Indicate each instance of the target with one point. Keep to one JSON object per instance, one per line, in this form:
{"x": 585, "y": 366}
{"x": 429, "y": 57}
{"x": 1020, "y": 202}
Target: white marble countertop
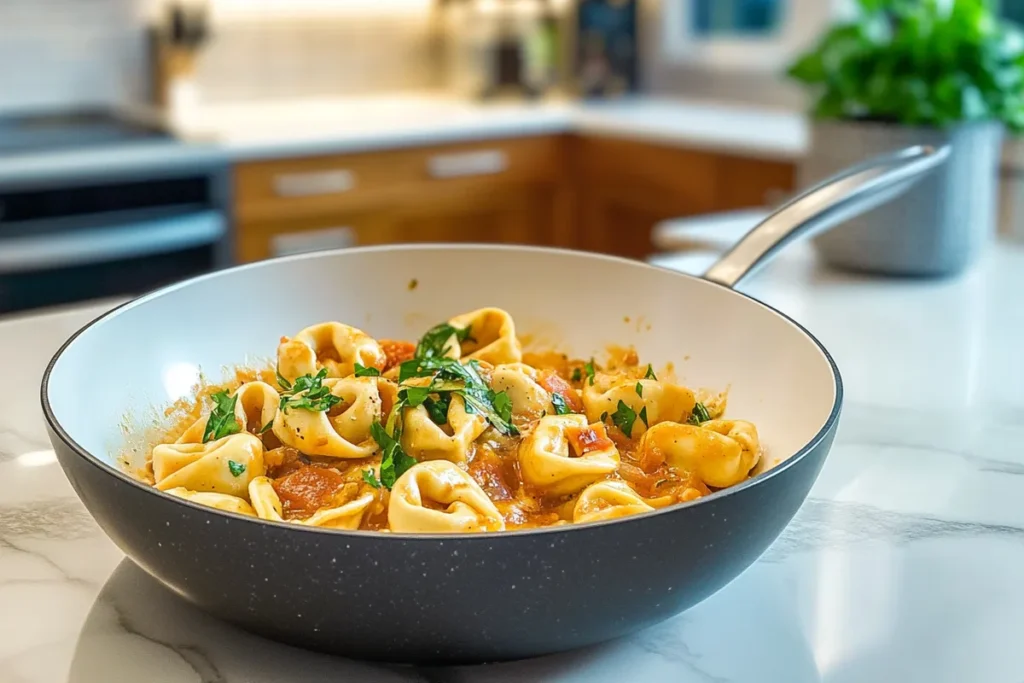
{"x": 904, "y": 565}
{"x": 260, "y": 130}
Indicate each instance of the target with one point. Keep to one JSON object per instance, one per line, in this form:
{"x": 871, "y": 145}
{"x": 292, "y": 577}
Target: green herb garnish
{"x": 394, "y": 461}
{"x": 282, "y": 382}
{"x": 452, "y": 377}
{"x": 266, "y": 428}
{"x": 639, "y": 389}
{"x": 588, "y": 367}
{"x": 438, "y": 409}
{"x": 221, "y": 421}
{"x": 643, "y": 417}
{"x": 604, "y": 416}
{"x": 370, "y": 478}
{"x": 309, "y": 393}
{"x": 699, "y": 414}
{"x": 362, "y": 371}
{"x": 576, "y": 375}
{"x": 650, "y": 373}
{"x": 624, "y": 417}
{"x": 236, "y": 468}
{"x": 558, "y": 401}
{"x": 436, "y": 341}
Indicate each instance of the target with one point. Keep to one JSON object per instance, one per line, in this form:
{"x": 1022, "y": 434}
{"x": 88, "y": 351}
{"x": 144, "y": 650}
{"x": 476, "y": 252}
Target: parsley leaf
{"x": 362, "y": 371}
{"x": 650, "y": 373}
{"x": 266, "y": 428}
{"x": 436, "y": 341}
{"x": 438, "y": 409}
{"x": 284, "y": 384}
{"x": 699, "y": 414}
{"x": 639, "y": 390}
{"x": 221, "y": 421}
{"x": 452, "y": 377}
{"x": 643, "y": 417}
{"x": 589, "y": 369}
{"x": 394, "y": 461}
{"x": 236, "y": 468}
{"x": 502, "y": 405}
{"x": 370, "y": 478}
{"x": 624, "y": 417}
{"x": 558, "y": 401}
{"x": 309, "y": 393}
{"x": 576, "y": 375}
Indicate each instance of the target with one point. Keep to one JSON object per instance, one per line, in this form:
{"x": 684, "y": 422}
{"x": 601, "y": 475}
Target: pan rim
{"x": 55, "y": 426}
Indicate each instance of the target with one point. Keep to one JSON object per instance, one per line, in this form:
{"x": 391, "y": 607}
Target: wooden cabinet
{"x": 589, "y": 192}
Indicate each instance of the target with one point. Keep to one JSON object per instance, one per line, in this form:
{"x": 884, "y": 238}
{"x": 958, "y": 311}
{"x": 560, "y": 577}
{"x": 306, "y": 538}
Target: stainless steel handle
{"x": 840, "y": 198}
{"x": 157, "y": 236}
{"x": 463, "y": 164}
{"x": 334, "y": 181}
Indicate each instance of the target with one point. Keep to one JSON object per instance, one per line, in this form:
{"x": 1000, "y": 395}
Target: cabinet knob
{"x": 314, "y": 183}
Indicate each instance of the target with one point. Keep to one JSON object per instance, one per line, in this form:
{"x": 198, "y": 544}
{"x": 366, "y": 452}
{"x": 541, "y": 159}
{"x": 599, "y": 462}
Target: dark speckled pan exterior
{"x": 447, "y": 599}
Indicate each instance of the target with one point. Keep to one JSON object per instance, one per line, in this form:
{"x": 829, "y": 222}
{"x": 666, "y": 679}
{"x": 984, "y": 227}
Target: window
{"x": 735, "y": 17}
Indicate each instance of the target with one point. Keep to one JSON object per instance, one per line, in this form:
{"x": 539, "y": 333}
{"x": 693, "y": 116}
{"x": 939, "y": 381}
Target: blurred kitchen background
{"x": 144, "y": 141}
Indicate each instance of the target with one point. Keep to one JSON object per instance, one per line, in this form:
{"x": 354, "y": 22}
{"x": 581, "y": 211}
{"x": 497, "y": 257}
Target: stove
{"x": 53, "y": 131}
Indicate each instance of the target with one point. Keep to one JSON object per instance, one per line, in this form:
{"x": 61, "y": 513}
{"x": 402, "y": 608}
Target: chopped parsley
{"x": 436, "y": 340}
{"x": 588, "y": 367}
{"x": 699, "y": 414}
{"x": 309, "y": 393}
{"x": 624, "y": 417}
{"x": 221, "y": 421}
{"x": 266, "y": 428}
{"x": 650, "y": 373}
{"x": 236, "y": 468}
{"x": 438, "y": 409}
{"x": 362, "y": 371}
{"x": 394, "y": 461}
{"x": 370, "y": 478}
{"x": 452, "y": 377}
{"x": 643, "y": 417}
{"x": 282, "y": 382}
{"x": 576, "y": 375}
{"x": 639, "y": 390}
{"x": 558, "y": 401}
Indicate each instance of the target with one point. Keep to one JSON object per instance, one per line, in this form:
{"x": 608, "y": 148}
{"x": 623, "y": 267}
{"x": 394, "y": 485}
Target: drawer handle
{"x": 310, "y": 184}
{"x": 311, "y": 240}
{"x": 463, "y": 164}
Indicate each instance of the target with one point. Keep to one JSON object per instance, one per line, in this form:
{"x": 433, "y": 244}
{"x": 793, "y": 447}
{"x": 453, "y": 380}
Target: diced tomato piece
{"x": 554, "y": 384}
{"x": 307, "y": 489}
{"x": 397, "y": 352}
{"x": 584, "y": 440}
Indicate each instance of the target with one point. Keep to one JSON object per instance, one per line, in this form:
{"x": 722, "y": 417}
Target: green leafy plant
{"x": 918, "y": 62}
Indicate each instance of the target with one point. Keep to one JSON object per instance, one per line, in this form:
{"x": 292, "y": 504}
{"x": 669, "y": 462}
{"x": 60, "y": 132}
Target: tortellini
{"x": 268, "y": 506}
{"x": 439, "y": 497}
{"x": 220, "y": 501}
{"x": 720, "y": 452}
{"x": 492, "y": 336}
{"x": 519, "y": 381}
{"x": 333, "y": 346}
{"x": 342, "y": 432}
{"x": 607, "y": 500}
{"x": 255, "y": 406}
{"x": 547, "y": 463}
{"x": 223, "y": 466}
{"x": 665, "y": 402}
{"x": 423, "y": 439}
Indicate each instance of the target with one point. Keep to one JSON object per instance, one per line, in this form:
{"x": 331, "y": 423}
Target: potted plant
{"x": 905, "y": 72}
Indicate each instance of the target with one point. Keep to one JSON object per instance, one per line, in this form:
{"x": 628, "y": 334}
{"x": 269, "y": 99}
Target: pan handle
{"x": 840, "y": 198}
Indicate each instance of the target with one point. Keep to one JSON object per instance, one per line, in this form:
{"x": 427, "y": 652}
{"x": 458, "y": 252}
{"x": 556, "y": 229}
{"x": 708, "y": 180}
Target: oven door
{"x": 51, "y": 266}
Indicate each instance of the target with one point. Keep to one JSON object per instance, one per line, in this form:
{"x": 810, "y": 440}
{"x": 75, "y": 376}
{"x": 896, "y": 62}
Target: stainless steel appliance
{"x": 94, "y": 204}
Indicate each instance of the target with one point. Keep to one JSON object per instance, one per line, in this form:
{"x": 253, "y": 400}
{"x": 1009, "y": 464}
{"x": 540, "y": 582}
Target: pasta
{"x": 458, "y": 432}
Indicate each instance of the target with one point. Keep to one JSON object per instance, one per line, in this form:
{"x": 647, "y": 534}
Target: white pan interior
{"x": 148, "y": 353}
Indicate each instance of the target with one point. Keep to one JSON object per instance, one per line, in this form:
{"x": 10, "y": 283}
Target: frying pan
{"x": 477, "y": 597}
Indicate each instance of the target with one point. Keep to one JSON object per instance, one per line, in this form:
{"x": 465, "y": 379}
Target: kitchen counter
{"x": 334, "y": 125}
{"x": 903, "y": 565}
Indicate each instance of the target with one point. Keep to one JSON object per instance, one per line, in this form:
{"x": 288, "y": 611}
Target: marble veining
{"x": 902, "y": 566}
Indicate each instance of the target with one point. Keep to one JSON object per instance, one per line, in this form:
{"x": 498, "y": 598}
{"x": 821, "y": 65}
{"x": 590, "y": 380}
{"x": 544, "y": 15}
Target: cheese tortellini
{"x": 458, "y": 431}
{"x": 342, "y": 432}
{"x": 720, "y": 452}
{"x": 664, "y": 402}
{"x": 223, "y": 466}
{"x": 607, "y": 500}
{"x": 333, "y": 346}
{"x": 439, "y": 497}
{"x": 548, "y": 462}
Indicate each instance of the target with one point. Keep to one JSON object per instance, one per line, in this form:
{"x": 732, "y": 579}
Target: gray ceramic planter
{"x": 939, "y": 226}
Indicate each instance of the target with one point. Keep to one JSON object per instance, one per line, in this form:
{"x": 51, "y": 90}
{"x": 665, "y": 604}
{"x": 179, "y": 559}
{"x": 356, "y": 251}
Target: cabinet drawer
{"x": 291, "y": 188}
